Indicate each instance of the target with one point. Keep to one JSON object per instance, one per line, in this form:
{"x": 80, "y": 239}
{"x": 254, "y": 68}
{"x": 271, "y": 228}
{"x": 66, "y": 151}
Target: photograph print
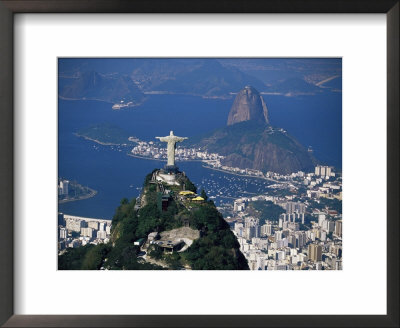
{"x": 199, "y": 164}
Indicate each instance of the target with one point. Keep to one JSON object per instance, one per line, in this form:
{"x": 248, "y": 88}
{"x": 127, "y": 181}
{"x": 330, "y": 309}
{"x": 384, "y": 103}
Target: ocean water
{"x": 313, "y": 121}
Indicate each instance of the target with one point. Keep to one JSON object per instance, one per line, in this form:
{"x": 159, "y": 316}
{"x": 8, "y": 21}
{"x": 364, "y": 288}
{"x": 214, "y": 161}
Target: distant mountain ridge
{"x": 209, "y": 79}
{"x": 204, "y": 77}
{"x": 91, "y": 85}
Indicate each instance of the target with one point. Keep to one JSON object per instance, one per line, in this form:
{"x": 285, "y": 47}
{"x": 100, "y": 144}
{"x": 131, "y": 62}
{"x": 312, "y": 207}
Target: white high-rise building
{"x": 64, "y": 185}
{"x": 238, "y": 206}
{"x": 280, "y": 255}
{"x": 73, "y": 224}
{"x": 323, "y": 171}
{"x": 94, "y": 225}
{"x": 63, "y": 233}
{"x": 293, "y": 207}
{"x": 87, "y": 232}
{"x": 321, "y": 219}
{"x": 278, "y": 235}
{"x": 270, "y": 231}
{"x": 239, "y": 229}
{"x": 266, "y": 229}
{"x": 101, "y": 234}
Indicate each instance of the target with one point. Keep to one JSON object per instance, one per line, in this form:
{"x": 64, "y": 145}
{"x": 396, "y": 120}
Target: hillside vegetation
{"x": 257, "y": 145}
{"x": 216, "y": 249}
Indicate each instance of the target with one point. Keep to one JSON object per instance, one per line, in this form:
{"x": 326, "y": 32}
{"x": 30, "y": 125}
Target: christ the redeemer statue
{"x": 172, "y": 140}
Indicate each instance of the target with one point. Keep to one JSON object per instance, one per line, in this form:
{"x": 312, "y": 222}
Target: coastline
{"x": 208, "y": 167}
{"x": 189, "y": 160}
{"x": 100, "y": 100}
{"x": 162, "y": 159}
{"x": 239, "y": 174}
{"x": 144, "y": 157}
{"x": 90, "y": 195}
{"x": 97, "y": 141}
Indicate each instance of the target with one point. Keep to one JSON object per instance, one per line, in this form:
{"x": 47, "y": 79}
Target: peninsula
{"x": 70, "y": 191}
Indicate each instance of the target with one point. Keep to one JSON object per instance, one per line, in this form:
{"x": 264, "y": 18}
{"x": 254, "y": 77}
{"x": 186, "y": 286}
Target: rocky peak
{"x": 248, "y": 105}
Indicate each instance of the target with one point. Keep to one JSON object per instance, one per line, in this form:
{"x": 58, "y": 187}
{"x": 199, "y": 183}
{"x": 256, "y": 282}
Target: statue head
{"x": 171, "y": 133}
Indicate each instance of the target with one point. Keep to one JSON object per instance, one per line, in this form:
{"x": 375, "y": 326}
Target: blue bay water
{"x": 313, "y": 121}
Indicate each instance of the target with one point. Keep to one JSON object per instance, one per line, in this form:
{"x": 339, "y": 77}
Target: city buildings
{"x": 63, "y": 187}
{"x": 306, "y": 236}
{"x": 79, "y": 231}
{"x": 323, "y": 171}
{"x": 315, "y": 252}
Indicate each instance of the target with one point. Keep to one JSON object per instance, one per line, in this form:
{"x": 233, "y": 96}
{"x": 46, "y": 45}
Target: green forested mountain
{"x": 257, "y": 145}
{"x": 215, "y": 249}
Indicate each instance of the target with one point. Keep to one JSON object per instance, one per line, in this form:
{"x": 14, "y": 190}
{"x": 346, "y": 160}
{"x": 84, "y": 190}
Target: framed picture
{"x": 181, "y": 146}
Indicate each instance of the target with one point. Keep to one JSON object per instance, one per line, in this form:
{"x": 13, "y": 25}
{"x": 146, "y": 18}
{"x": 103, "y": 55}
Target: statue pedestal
{"x": 168, "y": 178}
{"x": 171, "y": 169}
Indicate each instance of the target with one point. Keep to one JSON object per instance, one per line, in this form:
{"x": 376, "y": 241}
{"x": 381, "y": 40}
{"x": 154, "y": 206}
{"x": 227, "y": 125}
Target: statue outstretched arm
{"x": 164, "y": 139}
{"x": 179, "y": 139}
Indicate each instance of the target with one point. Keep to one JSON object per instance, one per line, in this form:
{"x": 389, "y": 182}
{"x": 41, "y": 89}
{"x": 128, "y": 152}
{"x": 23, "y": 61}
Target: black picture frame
{"x": 10, "y": 7}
